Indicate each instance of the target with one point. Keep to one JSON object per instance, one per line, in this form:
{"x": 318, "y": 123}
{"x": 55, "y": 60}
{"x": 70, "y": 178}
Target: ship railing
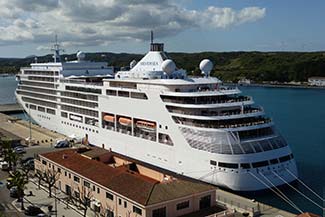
{"x": 217, "y": 89}
{"x": 225, "y": 126}
{"x": 215, "y": 113}
{"x": 195, "y": 101}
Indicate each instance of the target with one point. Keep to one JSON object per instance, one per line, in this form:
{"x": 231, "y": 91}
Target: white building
{"x": 316, "y": 81}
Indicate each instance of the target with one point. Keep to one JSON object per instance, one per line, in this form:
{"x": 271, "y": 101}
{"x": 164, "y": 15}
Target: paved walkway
{"x": 40, "y": 198}
{"x": 243, "y": 204}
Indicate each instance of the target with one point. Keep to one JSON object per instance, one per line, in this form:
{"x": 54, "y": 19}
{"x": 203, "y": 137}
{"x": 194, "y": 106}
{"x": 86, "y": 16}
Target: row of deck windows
{"x": 79, "y": 110}
{"x": 39, "y": 102}
{"x": 36, "y": 95}
{"x": 35, "y": 78}
{"x": 84, "y": 89}
{"x": 37, "y": 84}
{"x": 122, "y": 93}
{"x": 79, "y": 95}
{"x": 253, "y": 164}
{"x": 39, "y": 90}
{"x": 48, "y": 73}
{"x": 79, "y": 102}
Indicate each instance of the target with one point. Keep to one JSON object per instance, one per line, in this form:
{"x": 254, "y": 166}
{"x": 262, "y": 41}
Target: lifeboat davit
{"x": 146, "y": 126}
{"x": 109, "y": 118}
{"x": 125, "y": 121}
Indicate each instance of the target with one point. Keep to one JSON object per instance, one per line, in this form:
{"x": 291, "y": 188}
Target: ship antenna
{"x": 56, "y": 48}
{"x": 151, "y": 36}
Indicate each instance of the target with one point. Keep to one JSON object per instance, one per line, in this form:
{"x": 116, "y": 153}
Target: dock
{"x": 13, "y": 128}
{"x": 11, "y": 108}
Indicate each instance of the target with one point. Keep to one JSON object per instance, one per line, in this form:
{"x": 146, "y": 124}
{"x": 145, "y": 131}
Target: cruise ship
{"x": 153, "y": 112}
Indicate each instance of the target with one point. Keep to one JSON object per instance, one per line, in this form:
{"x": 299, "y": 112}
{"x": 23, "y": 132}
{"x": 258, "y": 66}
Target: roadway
{"x": 6, "y": 202}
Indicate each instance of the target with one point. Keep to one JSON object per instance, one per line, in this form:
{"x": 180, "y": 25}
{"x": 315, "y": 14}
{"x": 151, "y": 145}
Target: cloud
{"x": 100, "y": 22}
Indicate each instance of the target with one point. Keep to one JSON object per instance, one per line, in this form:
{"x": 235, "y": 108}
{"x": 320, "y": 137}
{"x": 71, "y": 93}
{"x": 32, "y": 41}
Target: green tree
{"x": 9, "y": 154}
{"x": 20, "y": 181}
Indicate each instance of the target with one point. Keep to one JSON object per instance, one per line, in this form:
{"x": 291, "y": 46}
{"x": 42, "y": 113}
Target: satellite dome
{"x": 81, "y": 55}
{"x": 206, "y": 66}
{"x": 168, "y": 66}
{"x": 132, "y": 64}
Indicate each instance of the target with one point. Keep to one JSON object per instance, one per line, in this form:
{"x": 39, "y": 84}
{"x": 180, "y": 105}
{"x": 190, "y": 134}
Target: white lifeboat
{"x": 125, "y": 121}
{"x": 109, "y": 118}
{"x": 146, "y": 126}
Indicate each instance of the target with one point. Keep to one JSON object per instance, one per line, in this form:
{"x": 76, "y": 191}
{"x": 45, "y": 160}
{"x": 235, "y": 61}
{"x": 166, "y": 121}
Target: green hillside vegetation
{"x": 229, "y": 66}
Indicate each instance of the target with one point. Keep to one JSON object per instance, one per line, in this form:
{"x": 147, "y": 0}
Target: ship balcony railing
{"x": 83, "y": 82}
{"x": 216, "y": 101}
{"x": 206, "y": 89}
{"x": 225, "y": 126}
{"x": 216, "y": 113}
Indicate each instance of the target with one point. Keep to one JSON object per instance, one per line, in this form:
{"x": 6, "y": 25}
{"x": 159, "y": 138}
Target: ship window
{"x": 260, "y": 164}
{"x": 213, "y": 162}
{"x": 285, "y": 158}
{"x": 50, "y": 111}
{"x": 228, "y": 165}
{"x": 123, "y": 93}
{"x": 42, "y": 109}
{"x": 111, "y": 92}
{"x": 165, "y": 139}
{"x": 32, "y": 107}
{"x": 245, "y": 166}
{"x": 137, "y": 95}
{"x": 26, "y": 105}
{"x": 64, "y": 114}
{"x": 274, "y": 161}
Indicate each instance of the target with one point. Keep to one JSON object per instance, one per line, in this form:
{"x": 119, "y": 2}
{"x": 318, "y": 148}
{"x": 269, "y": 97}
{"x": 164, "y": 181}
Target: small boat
{"x": 146, "y": 126}
{"x": 125, "y": 121}
{"x": 109, "y": 118}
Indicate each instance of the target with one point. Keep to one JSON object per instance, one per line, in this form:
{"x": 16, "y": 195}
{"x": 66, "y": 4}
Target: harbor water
{"x": 299, "y": 115}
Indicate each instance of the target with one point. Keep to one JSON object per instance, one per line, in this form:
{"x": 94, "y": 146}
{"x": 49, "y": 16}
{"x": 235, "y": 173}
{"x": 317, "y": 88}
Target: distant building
{"x": 244, "y": 81}
{"x": 316, "y": 81}
{"x": 120, "y": 187}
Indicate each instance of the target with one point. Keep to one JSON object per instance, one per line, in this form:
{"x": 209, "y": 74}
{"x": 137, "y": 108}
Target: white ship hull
{"x": 180, "y": 158}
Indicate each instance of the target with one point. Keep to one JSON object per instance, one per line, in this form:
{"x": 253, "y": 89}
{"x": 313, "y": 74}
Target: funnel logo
{"x": 149, "y": 63}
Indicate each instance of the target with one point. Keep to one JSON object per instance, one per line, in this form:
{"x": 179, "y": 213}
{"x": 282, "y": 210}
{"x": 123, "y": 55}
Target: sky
{"x": 28, "y": 27}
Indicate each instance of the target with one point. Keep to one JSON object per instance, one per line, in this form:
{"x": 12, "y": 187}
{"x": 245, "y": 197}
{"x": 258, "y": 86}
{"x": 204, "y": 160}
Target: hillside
{"x": 229, "y": 66}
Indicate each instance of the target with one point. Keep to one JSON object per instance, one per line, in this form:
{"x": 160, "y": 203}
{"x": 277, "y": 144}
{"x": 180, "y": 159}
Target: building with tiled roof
{"x": 120, "y": 187}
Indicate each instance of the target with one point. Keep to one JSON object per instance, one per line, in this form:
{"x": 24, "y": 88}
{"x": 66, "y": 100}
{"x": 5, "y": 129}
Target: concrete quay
{"x": 21, "y": 129}
{"x": 10, "y": 108}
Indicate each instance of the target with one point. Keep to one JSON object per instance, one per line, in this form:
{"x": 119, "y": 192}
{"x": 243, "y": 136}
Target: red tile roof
{"x": 134, "y": 186}
{"x": 308, "y": 214}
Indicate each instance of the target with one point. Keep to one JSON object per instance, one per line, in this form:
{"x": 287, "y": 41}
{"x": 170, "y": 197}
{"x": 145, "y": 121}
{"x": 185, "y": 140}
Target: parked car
{"x": 13, "y": 192}
{"x": 27, "y": 159}
{"x": 62, "y": 144}
{"x": 33, "y": 211}
{"x": 20, "y": 150}
{"x": 30, "y": 164}
{"x": 4, "y": 165}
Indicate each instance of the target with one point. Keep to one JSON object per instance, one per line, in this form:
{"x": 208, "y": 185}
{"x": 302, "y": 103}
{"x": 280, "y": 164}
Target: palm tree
{"x": 20, "y": 181}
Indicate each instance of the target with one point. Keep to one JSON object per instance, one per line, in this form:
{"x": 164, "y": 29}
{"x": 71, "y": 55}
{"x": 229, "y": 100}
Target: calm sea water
{"x": 299, "y": 114}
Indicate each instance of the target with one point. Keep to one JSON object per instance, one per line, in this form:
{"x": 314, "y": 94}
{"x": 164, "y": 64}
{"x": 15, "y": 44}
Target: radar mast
{"x": 56, "y": 48}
